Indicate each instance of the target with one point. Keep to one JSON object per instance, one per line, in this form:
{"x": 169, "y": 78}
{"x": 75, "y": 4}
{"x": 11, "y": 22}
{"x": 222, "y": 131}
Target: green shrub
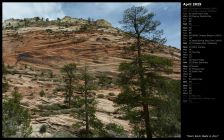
{"x": 45, "y": 114}
{"x": 42, "y": 93}
{"x": 57, "y": 89}
{"x": 104, "y": 80}
{"x": 31, "y": 94}
{"x": 105, "y": 39}
{"x": 34, "y": 110}
{"x": 84, "y": 28}
{"x": 13, "y": 72}
{"x": 42, "y": 74}
{"x": 4, "y": 69}
{"x": 49, "y": 30}
{"x": 51, "y": 75}
{"x": 15, "y": 118}
{"x": 56, "y": 80}
{"x": 84, "y": 134}
{"x": 25, "y": 104}
{"x": 42, "y": 79}
{"x": 118, "y": 129}
{"x": 63, "y": 134}
{"x": 5, "y": 86}
{"x": 52, "y": 107}
{"x": 65, "y": 111}
{"x": 111, "y": 94}
{"x": 33, "y": 79}
{"x": 43, "y": 129}
{"x": 10, "y": 67}
{"x": 98, "y": 39}
{"x": 108, "y": 46}
{"x": 96, "y": 61}
{"x": 100, "y": 96}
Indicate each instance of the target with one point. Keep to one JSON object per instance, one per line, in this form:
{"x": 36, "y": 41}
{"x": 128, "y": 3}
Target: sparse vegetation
{"x": 58, "y": 89}
{"x": 31, "y": 94}
{"x": 111, "y": 94}
{"x": 5, "y": 86}
{"x": 43, "y": 129}
{"x": 13, "y": 71}
{"x": 42, "y": 93}
{"x": 46, "y": 114}
{"x": 51, "y": 75}
{"x": 108, "y": 46}
{"x": 104, "y": 80}
{"x": 100, "y": 96}
{"x": 83, "y": 28}
{"x": 49, "y": 30}
{"x": 15, "y": 118}
{"x": 42, "y": 79}
{"x": 105, "y": 39}
{"x": 52, "y": 107}
{"x": 4, "y": 69}
{"x": 33, "y": 79}
{"x": 25, "y": 104}
{"x": 42, "y": 74}
{"x": 117, "y": 129}
{"x": 96, "y": 61}
{"x": 63, "y": 134}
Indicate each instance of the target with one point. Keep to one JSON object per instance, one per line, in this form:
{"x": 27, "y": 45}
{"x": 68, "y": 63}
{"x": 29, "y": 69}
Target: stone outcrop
{"x": 103, "y": 23}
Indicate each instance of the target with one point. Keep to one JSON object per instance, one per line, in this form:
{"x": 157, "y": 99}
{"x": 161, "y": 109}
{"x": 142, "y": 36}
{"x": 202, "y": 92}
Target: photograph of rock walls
{"x": 71, "y": 70}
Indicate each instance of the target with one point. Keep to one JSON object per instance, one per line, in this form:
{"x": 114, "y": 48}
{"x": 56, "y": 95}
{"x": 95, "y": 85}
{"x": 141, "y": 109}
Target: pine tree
{"x": 131, "y": 99}
{"x": 37, "y": 19}
{"x": 26, "y": 22}
{"x": 87, "y": 105}
{"x": 68, "y": 72}
{"x": 15, "y": 118}
{"x": 140, "y": 80}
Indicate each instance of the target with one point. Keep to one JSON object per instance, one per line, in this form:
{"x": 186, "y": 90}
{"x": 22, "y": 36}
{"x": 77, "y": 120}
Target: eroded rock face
{"x": 52, "y": 47}
{"x": 68, "y": 19}
{"x": 12, "y": 23}
{"x": 103, "y": 23}
{"x": 31, "y": 22}
{"x": 104, "y": 105}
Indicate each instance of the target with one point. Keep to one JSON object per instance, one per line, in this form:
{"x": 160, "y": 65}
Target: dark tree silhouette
{"x": 68, "y": 72}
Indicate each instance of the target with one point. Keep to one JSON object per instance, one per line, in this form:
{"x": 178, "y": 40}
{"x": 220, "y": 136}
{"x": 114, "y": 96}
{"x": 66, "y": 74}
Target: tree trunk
{"x": 147, "y": 121}
{"x": 70, "y": 93}
{"x": 86, "y": 108}
{"x": 143, "y": 91}
{"x": 69, "y": 102}
{"x": 87, "y": 119}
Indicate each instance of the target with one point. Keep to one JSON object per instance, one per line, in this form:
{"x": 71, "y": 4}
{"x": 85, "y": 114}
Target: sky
{"x": 167, "y": 13}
